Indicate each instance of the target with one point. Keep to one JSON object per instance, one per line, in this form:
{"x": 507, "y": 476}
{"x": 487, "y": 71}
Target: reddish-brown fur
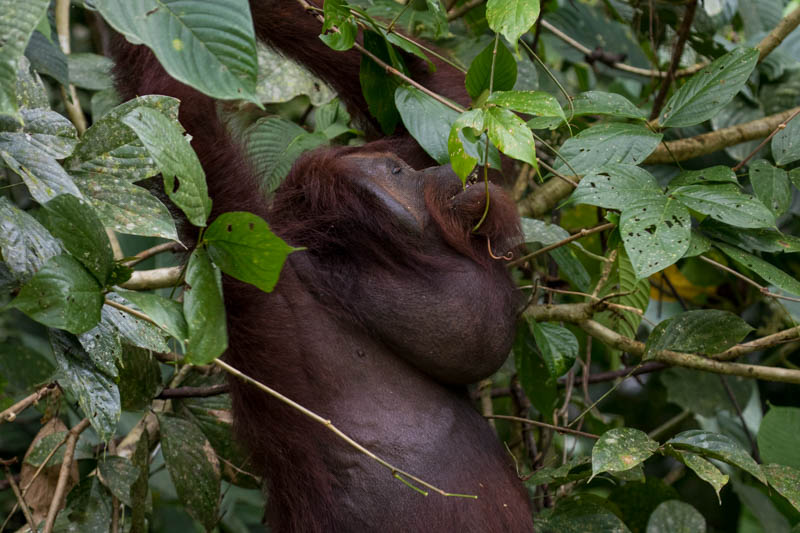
{"x": 392, "y": 308}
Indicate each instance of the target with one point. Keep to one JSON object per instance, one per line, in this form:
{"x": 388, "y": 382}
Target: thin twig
{"x": 20, "y": 500}
{"x": 157, "y": 278}
{"x": 763, "y": 143}
{"x": 194, "y": 392}
{"x": 63, "y": 474}
{"x": 68, "y": 94}
{"x": 396, "y": 472}
{"x": 677, "y": 53}
{"x": 667, "y": 426}
{"x": 10, "y": 414}
{"x": 559, "y": 175}
{"x": 558, "y": 429}
{"x": 764, "y": 290}
{"x": 738, "y": 409}
{"x": 132, "y": 312}
{"x": 155, "y": 250}
{"x": 582, "y": 233}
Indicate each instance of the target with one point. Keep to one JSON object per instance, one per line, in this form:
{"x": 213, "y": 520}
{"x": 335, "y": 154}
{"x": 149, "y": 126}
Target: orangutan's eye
{"x": 397, "y": 170}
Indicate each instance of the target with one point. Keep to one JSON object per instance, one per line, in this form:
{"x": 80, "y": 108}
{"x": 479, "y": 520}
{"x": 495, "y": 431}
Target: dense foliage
{"x": 653, "y": 382}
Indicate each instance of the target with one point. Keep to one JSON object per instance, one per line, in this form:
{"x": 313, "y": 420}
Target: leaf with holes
{"x": 769, "y": 272}
{"x": 708, "y": 91}
{"x": 606, "y": 144}
{"x": 704, "y": 331}
{"x": 616, "y": 186}
{"x": 717, "y": 446}
{"x": 771, "y": 185}
{"x": 208, "y": 45}
{"x": 726, "y": 203}
{"x": 620, "y": 449}
{"x": 511, "y": 135}
{"x": 338, "y": 15}
{"x": 184, "y": 179}
{"x": 716, "y": 174}
{"x": 243, "y": 246}
{"x": 656, "y": 232}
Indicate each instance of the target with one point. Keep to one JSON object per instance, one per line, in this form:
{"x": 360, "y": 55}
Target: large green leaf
{"x": 17, "y": 22}
{"x": 705, "y": 331}
{"x": 25, "y": 244}
{"x": 674, "y": 516}
{"x": 139, "y": 378}
{"x": 656, "y": 232}
{"x": 274, "y": 144}
{"x": 112, "y": 148}
{"x": 753, "y": 240}
{"x": 539, "y": 386}
{"x": 90, "y": 71}
{"x": 134, "y": 330}
{"x": 725, "y": 203}
{"x": 777, "y": 436}
{"x": 771, "y": 186}
{"x": 118, "y": 474}
{"x": 601, "y": 103}
{"x": 620, "y": 449}
{"x": 97, "y": 394}
{"x": 538, "y": 231}
{"x": 635, "y": 294}
{"x": 699, "y": 392}
{"x": 617, "y": 186}
{"x": 537, "y": 103}
{"x": 193, "y": 467}
{"x": 184, "y": 179}
{"x": 462, "y": 161}
{"x": 103, "y": 345}
{"x": 208, "y": 44}
{"x": 168, "y": 314}
{"x": 338, "y": 14}
{"x": 124, "y": 207}
{"x": 88, "y": 506}
{"x": 512, "y": 18}
{"x": 704, "y": 469}
{"x": 376, "y": 85}
{"x": 479, "y": 74}
{"x": 511, "y": 135}
{"x": 708, "y": 91}
{"x": 427, "y": 120}
{"x": 772, "y": 274}
{"x": 558, "y": 345}
{"x": 601, "y": 145}
{"x": 243, "y": 246}
{"x": 204, "y": 310}
{"x": 63, "y": 295}
{"x": 582, "y": 514}
{"x": 715, "y": 174}
{"x": 717, "y": 446}
{"x": 73, "y": 220}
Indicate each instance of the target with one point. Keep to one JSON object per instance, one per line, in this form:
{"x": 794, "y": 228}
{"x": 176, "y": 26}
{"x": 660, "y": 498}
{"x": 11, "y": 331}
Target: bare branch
{"x": 63, "y": 475}
{"x": 778, "y": 34}
{"x": 158, "y": 278}
{"x": 10, "y": 414}
{"x": 558, "y": 429}
{"x": 68, "y": 94}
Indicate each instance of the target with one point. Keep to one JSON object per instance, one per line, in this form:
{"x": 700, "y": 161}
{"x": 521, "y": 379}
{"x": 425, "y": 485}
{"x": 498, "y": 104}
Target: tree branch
{"x": 778, "y": 34}
{"x": 194, "y": 392}
{"x": 68, "y": 94}
{"x": 158, "y": 278}
{"x": 558, "y": 429}
{"x": 10, "y": 414}
{"x": 677, "y": 53}
{"x": 63, "y": 474}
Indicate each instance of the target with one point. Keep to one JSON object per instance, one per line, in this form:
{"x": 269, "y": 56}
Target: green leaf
{"x": 725, "y": 203}
{"x": 96, "y": 393}
{"x": 135, "y": 330}
{"x": 605, "y": 144}
{"x": 538, "y": 231}
{"x": 90, "y": 71}
{"x": 17, "y": 22}
{"x": 674, "y": 516}
{"x": 635, "y": 294}
{"x": 752, "y": 240}
{"x": 704, "y": 331}
{"x": 208, "y": 45}
{"x": 511, "y": 135}
{"x": 601, "y": 103}
{"x": 762, "y": 507}
{"x": 30, "y": 89}
{"x": 25, "y": 244}
{"x": 771, "y": 186}
{"x": 204, "y": 310}
{"x": 705, "y": 470}
{"x": 786, "y": 480}
{"x": 539, "y": 386}
{"x": 616, "y": 186}
{"x": 63, "y": 295}
{"x": 140, "y": 503}
{"x": 111, "y": 148}
{"x": 537, "y": 103}
{"x": 139, "y": 378}
{"x": 118, "y": 474}
{"x": 772, "y": 274}
{"x": 439, "y": 16}
{"x": 243, "y": 246}
{"x": 700, "y": 392}
{"x": 103, "y": 346}
{"x": 408, "y": 46}
{"x": 708, "y": 91}
{"x": 558, "y": 345}
{"x": 716, "y": 174}
{"x": 184, "y": 179}
{"x": 72, "y": 220}
{"x": 512, "y": 18}
{"x": 376, "y": 85}
{"x": 784, "y": 148}
{"x": 717, "y": 446}
{"x": 480, "y": 71}
{"x": 126, "y": 208}
{"x": 89, "y": 506}
{"x": 193, "y": 467}
{"x": 47, "y": 58}
{"x": 338, "y": 15}
{"x": 621, "y": 449}
{"x": 460, "y": 159}
{"x": 274, "y": 144}
{"x": 584, "y": 514}
{"x": 555, "y": 476}
{"x": 777, "y": 436}
{"x": 427, "y": 120}
{"x": 656, "y": 231}
{"x": 168, "y": 314}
